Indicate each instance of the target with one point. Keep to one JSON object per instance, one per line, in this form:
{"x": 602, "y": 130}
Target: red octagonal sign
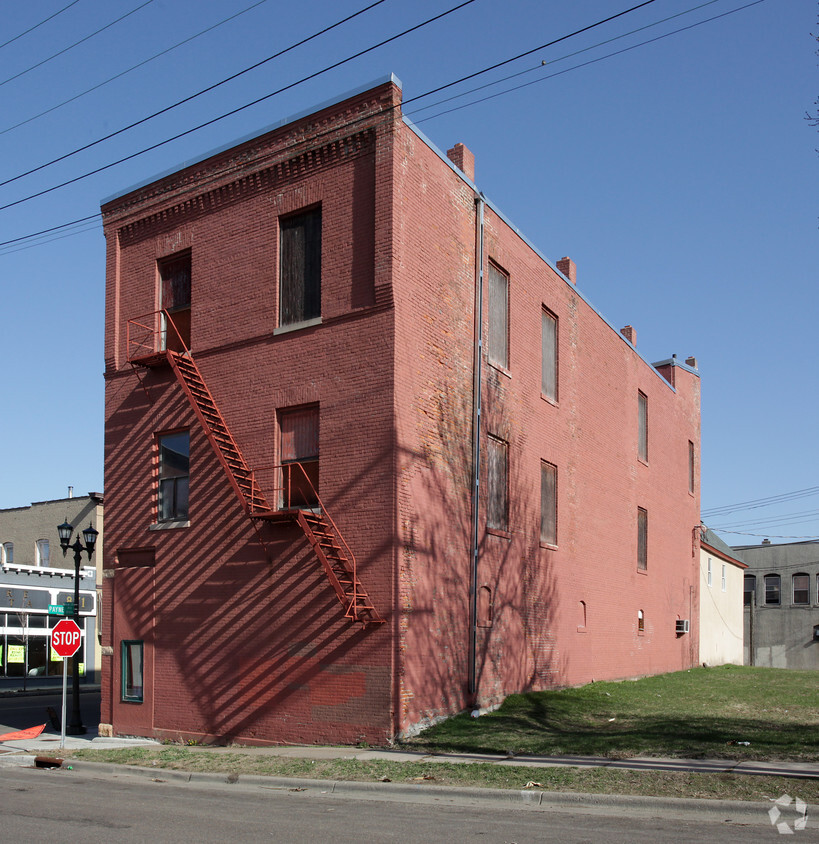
{"x": 66, "y": 637}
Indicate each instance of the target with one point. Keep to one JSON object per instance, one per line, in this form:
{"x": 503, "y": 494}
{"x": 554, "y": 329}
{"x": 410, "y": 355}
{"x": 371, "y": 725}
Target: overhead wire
{"x": 757, "y": 503}
{"x": 584, "y": 64}
{"x": 241, "y": 108}
{"x": 38, "y": 25}
{"x": 134, "y": 67}
{"x": 188, "y": 99}
{"x": 75, "y": 44}
{"x": 405, "y": 102}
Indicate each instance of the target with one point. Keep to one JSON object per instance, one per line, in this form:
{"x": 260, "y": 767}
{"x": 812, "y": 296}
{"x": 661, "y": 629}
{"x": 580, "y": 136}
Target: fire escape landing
{"x": 147, "y": 348}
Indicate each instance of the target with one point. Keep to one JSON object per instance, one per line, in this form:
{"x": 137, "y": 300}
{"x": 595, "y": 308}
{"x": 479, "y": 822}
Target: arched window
{"x": 641, "y": 622}
{"x": 801, "y": 589}
{"x": 773, "y": 590}
{"x": 750, "y": 590}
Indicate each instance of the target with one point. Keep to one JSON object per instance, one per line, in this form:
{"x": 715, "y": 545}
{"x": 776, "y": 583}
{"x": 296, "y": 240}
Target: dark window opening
{"x": 132, "y": 688}
{"x": 174, "y": 469}
{"x": 750, "y": 590}
{"x": 642, "y": 436}
{"x": 773, "y": 591}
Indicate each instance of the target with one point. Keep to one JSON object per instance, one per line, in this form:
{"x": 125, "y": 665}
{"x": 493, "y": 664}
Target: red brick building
{"x": 295, "y": 328}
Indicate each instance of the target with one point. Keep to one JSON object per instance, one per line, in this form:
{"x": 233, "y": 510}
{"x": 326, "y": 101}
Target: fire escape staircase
{"x": 321, "y": 532}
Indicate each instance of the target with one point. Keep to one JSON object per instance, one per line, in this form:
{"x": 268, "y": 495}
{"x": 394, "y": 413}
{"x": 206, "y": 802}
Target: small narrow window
{"x": 750, "y": 590}
{"x": 642, "y": 432}
{"x": 801, "y": 589}
{"x": 581, "y": 614}
{"x": 549, "y": 355}
{"x": 42, "y": 552}
{"x": 708, "y": 574}
{"x": 724, "y": 578}
{"x": 8, "y": 553}
{"x": 548, "y": 503}
{"x": 132, "y": 689}
{"x": 299, "y": 449}
{"x": 300, "y": 267}
{"x": 174, "y": 468}
{"x": 498, "y": 317}
{"x": 485, "y": 607}
{"x": 642, "y": 539}
{"x": 691, "y": 467}
{"x": 641, "y": 622}
{"x": 773, "y": 596}
{"x": 497, "y": 516}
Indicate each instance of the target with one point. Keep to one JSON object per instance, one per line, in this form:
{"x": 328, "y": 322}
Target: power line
{"x": 757, "y": 503}
{"x": 350, "y": 123}
{"x": 48, "y": 231}
{"x": 133, "y": 67}
{"x": 583, "y": 64}
{"x": 38, "y": 25}
{"x": 192, "y": 96}
{"x": 239, "y": 109}
{"x": 75, "y": 44}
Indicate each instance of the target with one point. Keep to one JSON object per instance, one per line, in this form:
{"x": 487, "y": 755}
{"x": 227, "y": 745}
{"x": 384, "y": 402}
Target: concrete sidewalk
{"x": 22, "y": 752}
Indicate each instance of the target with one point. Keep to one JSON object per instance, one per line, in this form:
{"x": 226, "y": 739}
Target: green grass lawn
{"x": 700, "y": 713}
{"x": 688, "y": 714}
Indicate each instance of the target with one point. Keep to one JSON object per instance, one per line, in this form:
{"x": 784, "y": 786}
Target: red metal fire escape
{"x": 147, "y": 348}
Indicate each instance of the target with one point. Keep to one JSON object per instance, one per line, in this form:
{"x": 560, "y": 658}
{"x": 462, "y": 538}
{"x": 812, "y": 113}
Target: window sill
{"x": 552, "y": 402}
{"x": 170, "y": 525}
{"x": 297, "y": 326}
{"x": 501, "y": 370}
{"x": 548, "y": 546}
{"x": 644, "y": 572}
{"x": 581, "y": 629}
{"x": 641, "y": 460}
{"x": 503, "y": 534}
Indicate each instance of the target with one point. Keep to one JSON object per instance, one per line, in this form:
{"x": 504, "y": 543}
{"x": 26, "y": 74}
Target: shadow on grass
{"x": 542, "y": 731}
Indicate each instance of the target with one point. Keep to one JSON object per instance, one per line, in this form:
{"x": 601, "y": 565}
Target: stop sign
{"x": 66, "y": 637}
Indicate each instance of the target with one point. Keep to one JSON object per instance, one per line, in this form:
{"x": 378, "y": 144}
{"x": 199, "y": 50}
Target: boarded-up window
{"x": 299, "y": 449}
{"x": 300, "y": 267}
{"x": 484, "y": 607}
{"x": 548, "y": 503}
{"x": 691, "y": 468}
{"x": 773, "y": 589}
{"x": 498, "y": 317}
{"x": 801, "y": 589}
{"x": 549, "y": 355}
{"x": 642, "y": 539}
{"x": 497, "y": 515}
{"x": 642, "y": 432}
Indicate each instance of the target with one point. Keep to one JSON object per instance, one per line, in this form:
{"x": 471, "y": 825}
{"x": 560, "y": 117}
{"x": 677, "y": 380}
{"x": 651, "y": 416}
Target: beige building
{"x": 721, "y": 590}
{"x": 34, "y": 576}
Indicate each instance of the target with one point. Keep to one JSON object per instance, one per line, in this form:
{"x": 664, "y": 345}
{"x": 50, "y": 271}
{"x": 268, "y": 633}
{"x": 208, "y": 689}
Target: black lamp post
{"x": 75, "y": 727}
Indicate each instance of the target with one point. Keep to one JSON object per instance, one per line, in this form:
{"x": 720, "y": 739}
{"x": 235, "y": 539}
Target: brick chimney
{"x": 692, "y": 362}
{"x": 630, "y": 334}
{"x": 568, "y": 267}
{"x": 463, "y": 159}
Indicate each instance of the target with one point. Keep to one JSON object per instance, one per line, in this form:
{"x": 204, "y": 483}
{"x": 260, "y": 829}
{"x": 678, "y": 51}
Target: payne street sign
{"x": 66, "y": 637}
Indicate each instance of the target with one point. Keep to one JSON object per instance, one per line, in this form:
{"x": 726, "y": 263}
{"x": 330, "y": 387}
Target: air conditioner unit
{"x": 682, "y": 625}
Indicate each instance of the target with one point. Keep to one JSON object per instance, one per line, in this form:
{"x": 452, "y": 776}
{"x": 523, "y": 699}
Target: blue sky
{"x": 680, "y": 175}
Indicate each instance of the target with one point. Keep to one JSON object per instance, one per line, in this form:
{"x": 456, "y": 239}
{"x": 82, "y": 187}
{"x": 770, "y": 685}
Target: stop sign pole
{"x": 66, "y": 638}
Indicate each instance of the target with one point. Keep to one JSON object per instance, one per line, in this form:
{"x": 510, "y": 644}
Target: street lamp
{"x": 75, "y": 727}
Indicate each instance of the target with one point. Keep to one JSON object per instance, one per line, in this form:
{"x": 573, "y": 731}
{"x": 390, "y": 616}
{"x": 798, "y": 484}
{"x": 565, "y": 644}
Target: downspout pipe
{"x": 476, "y": 447}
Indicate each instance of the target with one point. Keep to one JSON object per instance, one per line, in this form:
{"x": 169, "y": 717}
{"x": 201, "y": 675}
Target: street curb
{"x": 728, "y": 811}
